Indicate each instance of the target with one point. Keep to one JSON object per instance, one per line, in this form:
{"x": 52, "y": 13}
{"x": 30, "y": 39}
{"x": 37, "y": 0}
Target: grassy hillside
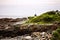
{"x": 47, "y": 17}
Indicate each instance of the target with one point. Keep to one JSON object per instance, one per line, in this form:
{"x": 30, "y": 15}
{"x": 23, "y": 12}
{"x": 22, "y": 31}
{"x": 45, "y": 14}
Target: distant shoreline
{"x": 14, "y": 17}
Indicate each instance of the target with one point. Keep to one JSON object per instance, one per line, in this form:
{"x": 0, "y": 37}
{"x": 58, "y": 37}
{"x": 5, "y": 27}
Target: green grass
{"x": 45, "y": 18}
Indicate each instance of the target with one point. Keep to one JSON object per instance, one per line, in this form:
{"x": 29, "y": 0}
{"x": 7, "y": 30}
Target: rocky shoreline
{"x": 8, "y": 29}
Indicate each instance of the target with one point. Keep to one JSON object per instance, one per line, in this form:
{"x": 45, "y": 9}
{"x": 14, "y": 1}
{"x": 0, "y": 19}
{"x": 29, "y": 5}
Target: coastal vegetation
{"x": 47, "y": 17}
{"x": 56, "y": 34}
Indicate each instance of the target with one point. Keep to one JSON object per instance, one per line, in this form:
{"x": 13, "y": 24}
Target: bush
{"x": 56, "y": 34}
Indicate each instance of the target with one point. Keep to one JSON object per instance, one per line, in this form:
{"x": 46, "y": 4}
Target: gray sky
{"x": 24, "y": 8}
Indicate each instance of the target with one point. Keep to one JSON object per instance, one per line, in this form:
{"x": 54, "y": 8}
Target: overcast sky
{"x": 23, "y": 8}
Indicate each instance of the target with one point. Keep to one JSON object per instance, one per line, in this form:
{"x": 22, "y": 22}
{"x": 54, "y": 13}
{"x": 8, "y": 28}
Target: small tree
{"x": 35, "y": 15}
